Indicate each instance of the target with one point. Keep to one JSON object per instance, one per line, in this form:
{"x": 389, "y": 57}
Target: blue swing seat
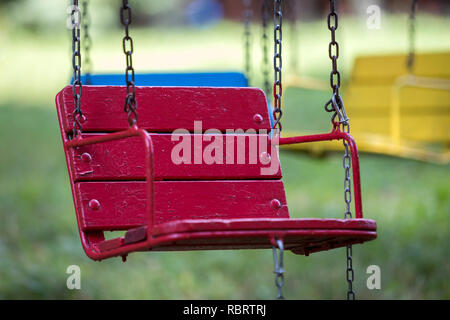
{"x": 185, "y": 79}
{"x": 190, "y": 79}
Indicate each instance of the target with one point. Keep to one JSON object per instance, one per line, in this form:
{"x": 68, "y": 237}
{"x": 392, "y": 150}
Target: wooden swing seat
{"x": 395, "y": 113}
{"x": 302, "y": 236}
{"x": 380, "y": 102}
{"x": 126, "y": 179}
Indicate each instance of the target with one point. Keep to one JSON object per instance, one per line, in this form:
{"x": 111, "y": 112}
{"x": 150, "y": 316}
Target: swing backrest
{"x": 174, "y": 79}
{"x": 424, "y": 112}
{"x": 108, "y": 178}
{"x": 385, "y": 69}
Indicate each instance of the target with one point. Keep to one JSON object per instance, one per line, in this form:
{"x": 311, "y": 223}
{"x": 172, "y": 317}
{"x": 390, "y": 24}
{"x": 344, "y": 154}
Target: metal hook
{"x": 339, "y": 108}
{"x": 336, "y": 105}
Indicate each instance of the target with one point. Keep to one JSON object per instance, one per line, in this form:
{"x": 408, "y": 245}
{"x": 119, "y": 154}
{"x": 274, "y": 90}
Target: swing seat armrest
{"x": 337, "y": 135}
{"x": 117, "y": 246}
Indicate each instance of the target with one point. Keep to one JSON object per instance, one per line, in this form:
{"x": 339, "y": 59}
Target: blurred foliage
{"x": 28, "y": 56}
{"x": 46, "y": 15}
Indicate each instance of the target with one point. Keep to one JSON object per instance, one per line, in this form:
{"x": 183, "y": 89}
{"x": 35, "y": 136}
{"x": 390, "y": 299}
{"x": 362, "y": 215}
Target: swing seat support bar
{"x": 141, "y": 239}
{"x": 336, "y": 134}
{"x": 118, "y": 246}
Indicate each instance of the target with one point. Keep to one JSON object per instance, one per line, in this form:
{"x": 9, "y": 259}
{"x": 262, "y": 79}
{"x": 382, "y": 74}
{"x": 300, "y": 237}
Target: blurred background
{"x": 38, "y": 235}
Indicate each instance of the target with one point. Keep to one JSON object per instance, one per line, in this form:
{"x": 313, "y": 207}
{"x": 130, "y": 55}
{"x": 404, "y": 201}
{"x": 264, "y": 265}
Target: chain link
{"x": 87, "y": 41}
{"x": 350, "y": 274}
{"x": 277, "y": 114}
{"x": 347, "y": 163}
{"x": 248, "y": 14}
{"x": 279, "y": 269}
{"x": 412, "y": 34}
{"x": 265, "y": 15}
{"x": 277, "y": 64}
{"x": 77, "y": 87}
{"x": 130, "y": 106}
{"x": 293, "y": 9}
{"x": 336, "y": 105}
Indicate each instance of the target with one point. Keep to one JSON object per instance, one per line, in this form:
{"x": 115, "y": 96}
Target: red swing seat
{"x": 125, "y": 179}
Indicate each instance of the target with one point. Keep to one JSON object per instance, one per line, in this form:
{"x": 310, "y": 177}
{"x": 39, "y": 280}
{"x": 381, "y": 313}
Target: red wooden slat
{"x": 124, "y": 159}
{"x": 298, "y": 237}
{"x": 110, "y": 244}
{"x": 121, "y": 205}
{"x": 262, "y": 224}
{"x": 135, "y": 235}
{"x": 276, "y": 225}
{"x": 303, "y": 241}
{"x": 164, "y": 109}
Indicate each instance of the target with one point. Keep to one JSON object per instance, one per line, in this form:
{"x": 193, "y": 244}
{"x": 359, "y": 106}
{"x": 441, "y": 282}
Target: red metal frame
{"x": 228, "y": 233}
{"x": 336, "y": 134}
{"x": 301, "y": 236}
{"x": 91, "y": 249}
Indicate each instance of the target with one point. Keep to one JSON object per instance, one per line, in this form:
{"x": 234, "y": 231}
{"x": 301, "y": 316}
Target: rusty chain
{"x": 277, "y": 64}
{"x": 336, "y": 105}
{"x": 87, "y": 41}
{"x": 130, "y": 106}
{"x": 412, "y": 34}
{"x": 77, "y": 87}
{"x": 265, "y": 15}
{"x": 248, "y": 14}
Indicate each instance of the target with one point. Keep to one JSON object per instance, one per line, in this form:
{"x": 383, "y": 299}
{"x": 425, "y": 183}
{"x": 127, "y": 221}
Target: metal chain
{"x": 335, "y": 104}
{"x": 277, "y": 64}
{"x": 350, "y": 274}
{"x": 293, "y": 8}
{"x": 265, "y": 47}
{"x": 347, "y": 163}
{"x": 87, "y": 41}
{"x": 130, "y": 106}
{"x": 77, "y": 87}
{"x": 248, "y": 14}
{"x": 412, "y": 33}
{"x": 279, "y": 270}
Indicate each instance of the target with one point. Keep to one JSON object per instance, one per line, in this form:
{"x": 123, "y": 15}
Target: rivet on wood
{"x": 94, "y": 204}
{"x": 265, "y": 158}
{"x": 86, "y": 157}
{"x": 258, "y": 119}
{"x": 275, "y": 204}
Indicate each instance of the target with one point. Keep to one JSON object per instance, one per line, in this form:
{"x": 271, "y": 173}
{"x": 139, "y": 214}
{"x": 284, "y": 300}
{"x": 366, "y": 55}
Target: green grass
{"x": 410, "y": 200}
